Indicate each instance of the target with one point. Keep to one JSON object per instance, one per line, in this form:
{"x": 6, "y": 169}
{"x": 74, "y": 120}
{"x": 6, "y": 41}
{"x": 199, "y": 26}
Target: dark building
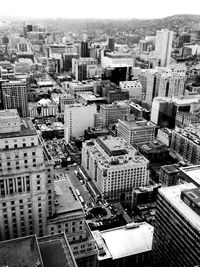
{"x": 84, "y": 49}
{"x": 169, "y": 175}
{"x": 111, "y": 44}
{"x": 67, "y": 60}
{"x": 117, "y": 95}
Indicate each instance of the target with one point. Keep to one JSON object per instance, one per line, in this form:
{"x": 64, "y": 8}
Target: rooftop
{"x": 56, "y": 251}
{"x": 137, "y": 123}
{"x": 27, "y": 129}
{"x": 193, "y": 172}
{"x": 173, "y": 195}
{"x": 170, "y": 168}
{"x": 66, "y": 198}
{"x": 21, "y": 252}
{"x": 128, "y": 240}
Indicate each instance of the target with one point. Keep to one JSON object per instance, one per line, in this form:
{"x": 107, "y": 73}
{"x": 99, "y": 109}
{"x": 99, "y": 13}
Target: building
{"x": 67, "y": 60}
{"x": 14, "y": 95}
{"x": 190, "y": 174}
{"x": 111, "y": 44}
{"x": 48, "y": 251}
{"x": 88, "y": 98}
{"x": 163, "y": 47}
{"x": 43, "y": 108}
{"x": 185, "y": 142}
{"x": 117, "y": 246}
{"x": 133, "y": 87}
{"x": 169, "y": 175}
{"x": 117, "y": 95}
{"x": 112, "y": 112}
{"x": 114, "y": 167}
{"x": 165, "y": 135}
{"x": 81, "y": 87}
{"x": 139, "y": 111}
{"x": 176, "y": 239}
{"x": 154, "y": 151}
{"x": 84, "y": 49}
{"x": 77, "y": 118}
{"x": 162, "y": 112}
{"x": 144, "y": 195}
{"x": 136, "y": 131}
{"x": 84, "y": 68}
{"x": 26, "y": 179}
{"x": 69, "y": 217}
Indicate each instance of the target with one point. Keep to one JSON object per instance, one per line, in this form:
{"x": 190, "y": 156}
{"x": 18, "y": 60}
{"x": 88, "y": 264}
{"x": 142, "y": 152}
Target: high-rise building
{"x": 163, "y": 47}
{"x": 111, "y": 113}
{"x": 14, "y": 96}
{"x": 84, "y": 49}
{"x": 162, "y": 112}
{"x": 26, "y": 179}
{"x": 177, "y": 229}
{"x": 78, "y": 118}
{"x": 115, "y": 167}
{"x": 136, "y": 131}
{"x": 84, "y": 68}
{"x": 111, "y": 44}
{"x": 186, "y": 142}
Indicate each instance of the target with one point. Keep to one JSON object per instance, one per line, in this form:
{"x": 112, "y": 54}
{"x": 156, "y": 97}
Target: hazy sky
{"x": 99, "y": 8}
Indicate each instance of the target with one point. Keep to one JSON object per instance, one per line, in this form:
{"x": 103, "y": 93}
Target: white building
{"x": 114, "y": 167}
{"x": 26, "y": 183}
{"x": 77, "y": 119}
{"x": 163, "y": 47}
{"x": 134, "y": 87}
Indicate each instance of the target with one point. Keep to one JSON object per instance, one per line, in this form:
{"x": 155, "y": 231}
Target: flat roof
{"x": 193, "y": 172}
{"x": 66, "y": 197}
{"x": 137, "y": 123}
{"x": 171, "y": 168}
{"x": 20, "y": 252}
{"x": 56, "y": 252}
{"x": 27, "y": 129}
{"x": 9, "y": 113}
{"x": 173, "y": 195}
{"x": 122, "y": 242}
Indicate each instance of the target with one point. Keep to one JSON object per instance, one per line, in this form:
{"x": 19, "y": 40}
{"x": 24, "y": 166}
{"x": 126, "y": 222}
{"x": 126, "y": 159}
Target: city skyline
{"x": 87, "y": 9}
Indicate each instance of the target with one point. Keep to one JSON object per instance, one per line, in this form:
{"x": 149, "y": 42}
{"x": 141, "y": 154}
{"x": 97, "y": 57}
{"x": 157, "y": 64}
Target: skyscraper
{"x": 26, "y": 183}
{"x": 177, "y": 228}
{"x": 111, "y": 44}
{"x": 14, "y": 96}
{"x": 84, "y": 49}
{"x": 163, "y": 47}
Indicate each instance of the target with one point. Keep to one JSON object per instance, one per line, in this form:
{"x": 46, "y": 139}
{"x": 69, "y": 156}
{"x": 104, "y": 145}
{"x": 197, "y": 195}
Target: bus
{"x": 77, "y": 192}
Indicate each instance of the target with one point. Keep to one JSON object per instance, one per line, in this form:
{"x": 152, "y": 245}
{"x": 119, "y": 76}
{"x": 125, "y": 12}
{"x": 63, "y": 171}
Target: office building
{"x": 169, "y": 175}
{"x": 134, "y": 88}
{"x": 115, "y": 167}
{"x": 162, "y": 112}
{"x": 185, "y": 141}
{"x": 117, "y": 95}
{"x": 33, "y": 251}
{"x": 164, "y": 135}
{"x": 14, "y": 96}
{"x": 177, "y": 229}
{"x": 84, "y": 49}
{"x": 69, "y": 217}
{"x": 154, "y": 151}
{"x": 136, "y": 131}
{"x": 80, "y": 87}
{"x": 163, "y": 47}
{"x": 139, "y": 111}
{"x": 111, "y": 44}
{"x": 190, "y": 174}
{"x": 26, "y": 179}
{"x": 111, "y": 113}
{"x": 77, "y": 119}
{"x": 84, "y": 68}
{"x": 117, "y": 246}
{"x": 67, "y": 60}
{"x": 144, "y": 195}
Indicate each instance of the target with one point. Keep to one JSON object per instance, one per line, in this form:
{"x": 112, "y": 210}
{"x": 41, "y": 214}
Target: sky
{"x": 112, "y": 9}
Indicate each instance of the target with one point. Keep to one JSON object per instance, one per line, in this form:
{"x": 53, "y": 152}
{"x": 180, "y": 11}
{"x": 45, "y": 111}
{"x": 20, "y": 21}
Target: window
{"x": 25, "y": 154}
{"x": 33, "y": 153}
